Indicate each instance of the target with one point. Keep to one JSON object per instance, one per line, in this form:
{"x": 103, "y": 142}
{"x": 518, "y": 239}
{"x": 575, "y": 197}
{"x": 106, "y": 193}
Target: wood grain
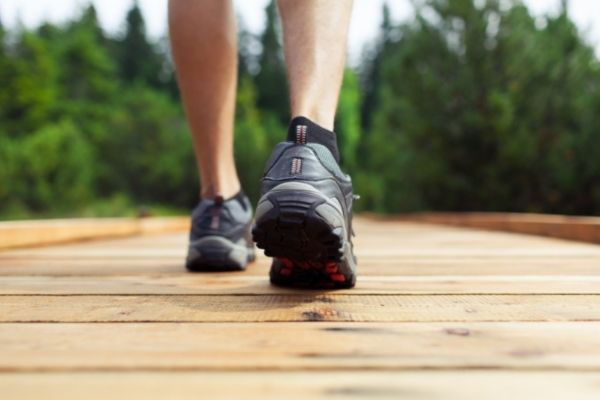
{"x": 585, "y": 229}
{"x": 293, "y": 346}
{"x": 44, "y": 232}
{"x": 298, "y": 307}
{"x": 236, "y": 284}
{"x": 368, "y": 266}
{"x": 439, "y": 312}
{"x": 268, "y": 385}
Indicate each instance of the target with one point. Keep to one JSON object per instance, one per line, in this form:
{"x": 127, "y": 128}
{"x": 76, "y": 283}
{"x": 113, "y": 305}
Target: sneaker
{"x": 220, "y": 235}
{"x": 304, "y": 217}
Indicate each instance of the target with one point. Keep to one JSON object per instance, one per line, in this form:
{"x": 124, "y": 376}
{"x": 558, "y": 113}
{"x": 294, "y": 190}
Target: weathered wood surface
{"x": 586, "y": 229}
{"x": 241, "y": 284}
{"x": 299, "y": 346}
{"x": 438, "y": 312}
{"x": 45, "y": 232}
{"x": 296, "y": 385}
{"x": 297, "y": 308}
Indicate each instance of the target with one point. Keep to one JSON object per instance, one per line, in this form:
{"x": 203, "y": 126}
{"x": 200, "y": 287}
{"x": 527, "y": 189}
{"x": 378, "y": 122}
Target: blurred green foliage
{"x": 473, "y": 105}
{"x": 481, "y": 106}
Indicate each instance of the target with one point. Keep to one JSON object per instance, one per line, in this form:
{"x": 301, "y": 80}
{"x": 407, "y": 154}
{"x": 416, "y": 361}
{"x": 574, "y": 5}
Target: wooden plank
{"x": 293, "y": 346}
{"x": 381, "y": 249}
{"x": 128, "y": 306}
{"x": 384, "y": 266}
{"x": 379, "y": 238}
{"x": 474, "y": 385}
{"x": 309, "y": 306}
{"x": 560, "y": 226}
{"x": 44, "y": 232}
{"x": 223, "y": 284}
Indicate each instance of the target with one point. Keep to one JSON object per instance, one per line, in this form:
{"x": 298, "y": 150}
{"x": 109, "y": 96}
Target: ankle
{"x": 226, "y": 189}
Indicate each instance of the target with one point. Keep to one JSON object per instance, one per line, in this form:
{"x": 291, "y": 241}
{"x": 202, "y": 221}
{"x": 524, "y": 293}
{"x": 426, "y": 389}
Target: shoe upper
{"x": 231, "y": 218}
{"x": 313, "y": 164}
{"x": 304, "y": 216}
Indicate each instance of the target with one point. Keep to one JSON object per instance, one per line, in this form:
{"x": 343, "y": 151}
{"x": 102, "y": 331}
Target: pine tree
{"x": 27, "y": 93}
{"x": 475, "y": 116}
{"x": 137, "y": 57}
{"x": 371, "y": 69}
{"x": 89, "y": 20}
{"x": 86, "y": 74}
{"x": 271, "y": 79}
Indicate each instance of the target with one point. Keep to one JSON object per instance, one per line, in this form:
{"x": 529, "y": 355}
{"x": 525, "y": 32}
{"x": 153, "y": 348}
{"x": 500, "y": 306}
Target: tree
{"x": 149, "y": 154}
{"x": 87, "y": 87}
{"x": 251, "y": 147}
{"x": 371, "y": 67}
{"x": 481, "y": 109}
{"x": 89, "y": 20}
{"x": 247, "y": 51}
{"x": 347, "y": 121}
{"x": 28, "y": 73}
{"x": 271, "y": 79}
{"x": 51, "y": 170}
{"x": 474, "y": 105}
{"x": 87, "y": 71}
{"x": 137, "y": 57}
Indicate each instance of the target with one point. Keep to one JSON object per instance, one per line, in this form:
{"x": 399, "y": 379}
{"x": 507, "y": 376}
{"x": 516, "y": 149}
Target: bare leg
{"x": 204, "y": 44}
{"x": 315, "y": 35}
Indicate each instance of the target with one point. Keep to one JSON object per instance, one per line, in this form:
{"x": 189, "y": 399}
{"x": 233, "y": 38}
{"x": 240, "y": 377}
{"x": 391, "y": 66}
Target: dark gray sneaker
{"x": 220, "y": 235}
{"x": 304, "y": 217}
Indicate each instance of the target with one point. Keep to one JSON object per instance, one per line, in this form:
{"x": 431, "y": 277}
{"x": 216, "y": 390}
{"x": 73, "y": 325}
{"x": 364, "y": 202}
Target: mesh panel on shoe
{"x": 326, "y": 158}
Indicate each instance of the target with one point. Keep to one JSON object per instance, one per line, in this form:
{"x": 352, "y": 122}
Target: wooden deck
{"x": 438, "y": 312}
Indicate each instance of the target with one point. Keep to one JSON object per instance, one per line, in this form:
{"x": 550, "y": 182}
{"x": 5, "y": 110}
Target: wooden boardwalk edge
{"x": 14, "y": 234}
{"x": 579, "y": 228}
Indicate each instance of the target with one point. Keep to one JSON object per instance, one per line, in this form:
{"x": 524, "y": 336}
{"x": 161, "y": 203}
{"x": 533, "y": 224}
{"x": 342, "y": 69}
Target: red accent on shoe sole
{"x": 331, "y": 267}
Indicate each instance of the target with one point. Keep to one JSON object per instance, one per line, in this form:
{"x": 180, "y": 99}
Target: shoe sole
{"x": 306, "y": 234}
{"x": 216, "y": 253}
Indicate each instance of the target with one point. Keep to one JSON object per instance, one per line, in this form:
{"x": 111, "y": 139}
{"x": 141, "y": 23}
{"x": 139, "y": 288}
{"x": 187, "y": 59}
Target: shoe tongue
{"x": 302, "y": 130}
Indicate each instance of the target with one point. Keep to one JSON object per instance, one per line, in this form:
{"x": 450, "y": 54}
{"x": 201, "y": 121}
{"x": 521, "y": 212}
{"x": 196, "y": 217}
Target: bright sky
{"x": 365, "y": 18}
